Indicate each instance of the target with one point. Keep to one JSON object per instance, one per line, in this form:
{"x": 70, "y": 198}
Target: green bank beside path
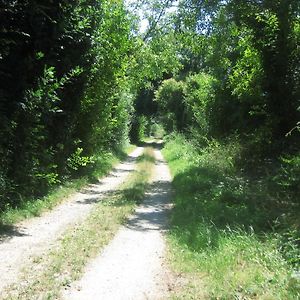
{"x": 36, "y": 206}
{"x": 219, "y": 245}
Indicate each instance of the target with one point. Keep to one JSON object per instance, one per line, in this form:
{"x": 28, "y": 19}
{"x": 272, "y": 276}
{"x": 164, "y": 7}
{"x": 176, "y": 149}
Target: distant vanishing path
{"x": 132, "y": 265}
{"x": 34, "y": 237}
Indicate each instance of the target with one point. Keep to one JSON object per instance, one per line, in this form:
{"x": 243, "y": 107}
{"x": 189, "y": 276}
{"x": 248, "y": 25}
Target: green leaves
{"x": 77, "y": 160}
{"x": 171, "y": 104}
{"x": 64, "y": 81}
{"x": 246, "y": 76}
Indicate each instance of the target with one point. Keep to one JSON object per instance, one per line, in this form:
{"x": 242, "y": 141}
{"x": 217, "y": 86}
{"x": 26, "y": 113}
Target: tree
{"x": 62, "y": 98}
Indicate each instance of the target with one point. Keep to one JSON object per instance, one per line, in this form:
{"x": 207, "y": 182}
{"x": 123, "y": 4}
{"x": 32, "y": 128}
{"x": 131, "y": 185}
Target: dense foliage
{"x": 63, "y": 97}
{"x": 250, "y": 51}
{"x": 240, "y": 81}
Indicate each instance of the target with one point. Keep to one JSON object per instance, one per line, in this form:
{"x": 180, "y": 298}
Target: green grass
{"x": 53, "y": 272}
{"x": 35, "y": 207}
{"x": 224, "y": 244}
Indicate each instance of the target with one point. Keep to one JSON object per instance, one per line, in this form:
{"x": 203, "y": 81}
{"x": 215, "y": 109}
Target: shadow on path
{"x": 96, "y": 197}
{"x": 152, "y": 214}
{"x": 158, "y": 145}
{"x": 9, "y": 231}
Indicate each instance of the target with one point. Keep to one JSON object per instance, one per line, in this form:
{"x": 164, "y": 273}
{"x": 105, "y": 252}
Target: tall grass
{"x": 224, "y": 242}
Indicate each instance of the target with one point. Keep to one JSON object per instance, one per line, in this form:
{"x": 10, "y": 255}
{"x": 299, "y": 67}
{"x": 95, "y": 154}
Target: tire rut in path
{"x": 132, "y": 265}
{"x": 36, "y": 236}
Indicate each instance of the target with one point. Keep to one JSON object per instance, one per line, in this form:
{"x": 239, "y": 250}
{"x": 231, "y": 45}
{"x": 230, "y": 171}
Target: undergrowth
{"x": 49, "y": 274}
{"x": 35, "y": 206}
{"x": 226, "y": 237}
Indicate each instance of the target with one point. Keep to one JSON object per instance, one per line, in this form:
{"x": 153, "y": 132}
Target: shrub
{"x": 198, "y": 94}
{"x": 171, "y": 104}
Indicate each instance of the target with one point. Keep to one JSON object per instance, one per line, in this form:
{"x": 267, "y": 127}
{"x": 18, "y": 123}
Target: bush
{"x": 289, "y": 175}
{"x": 157, "y": 130}
{"x": 171, "y": 105}
{"x": 77, "y": 160}
{"x": 198, "y": 94}
{"x": 138, "y": 129}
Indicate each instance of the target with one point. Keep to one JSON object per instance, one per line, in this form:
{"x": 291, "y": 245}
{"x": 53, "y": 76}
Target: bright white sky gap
{"x": 143, "y": 21}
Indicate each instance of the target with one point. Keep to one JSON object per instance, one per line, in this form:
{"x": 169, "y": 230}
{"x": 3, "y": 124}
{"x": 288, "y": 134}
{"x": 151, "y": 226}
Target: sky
{"x": 143, "y": 21}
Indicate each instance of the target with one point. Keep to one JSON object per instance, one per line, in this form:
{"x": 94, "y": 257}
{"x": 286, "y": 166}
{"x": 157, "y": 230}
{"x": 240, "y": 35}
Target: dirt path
{"x": 36, "y": 236}
{"x": 132, "y": 265}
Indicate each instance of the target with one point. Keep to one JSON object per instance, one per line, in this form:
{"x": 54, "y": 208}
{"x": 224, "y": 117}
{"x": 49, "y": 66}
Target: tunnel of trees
{"x": 79, "y": 79}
